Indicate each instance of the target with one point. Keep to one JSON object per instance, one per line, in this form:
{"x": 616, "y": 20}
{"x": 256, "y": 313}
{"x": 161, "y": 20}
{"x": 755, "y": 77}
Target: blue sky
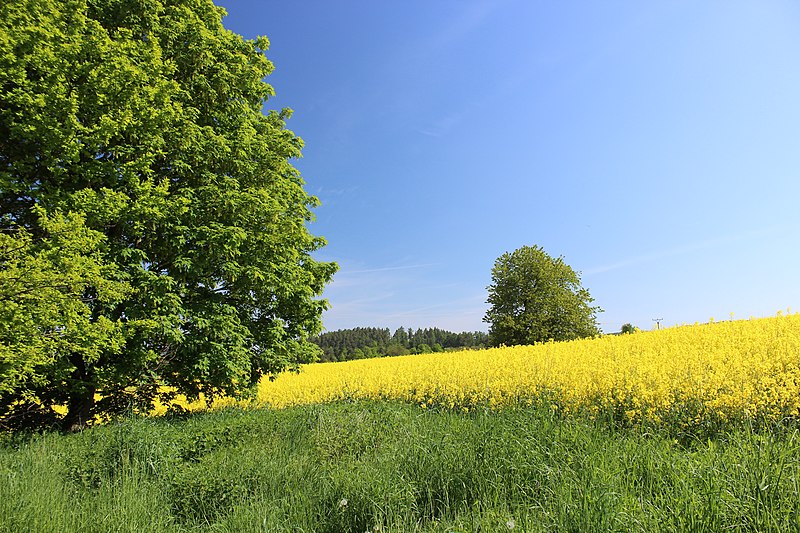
{"x": 654, "y": 145}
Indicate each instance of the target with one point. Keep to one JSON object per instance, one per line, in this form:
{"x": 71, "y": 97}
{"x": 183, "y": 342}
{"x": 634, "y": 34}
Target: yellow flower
{"x": 725, "y": 369}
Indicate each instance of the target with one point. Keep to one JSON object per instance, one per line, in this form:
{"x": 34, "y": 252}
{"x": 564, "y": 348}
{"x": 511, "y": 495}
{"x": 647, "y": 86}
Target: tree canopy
{"x": 153, "y": 231}
{"x": 535, "y": 298}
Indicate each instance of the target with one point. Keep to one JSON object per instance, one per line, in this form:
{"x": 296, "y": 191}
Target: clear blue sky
{"x": 654, "y": 145}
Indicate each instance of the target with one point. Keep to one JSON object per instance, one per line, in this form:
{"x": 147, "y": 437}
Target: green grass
{"x": 374, "y": 466}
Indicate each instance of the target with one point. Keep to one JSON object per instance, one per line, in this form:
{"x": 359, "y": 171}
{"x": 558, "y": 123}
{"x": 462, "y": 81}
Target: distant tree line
{"x": 361, "y": 343}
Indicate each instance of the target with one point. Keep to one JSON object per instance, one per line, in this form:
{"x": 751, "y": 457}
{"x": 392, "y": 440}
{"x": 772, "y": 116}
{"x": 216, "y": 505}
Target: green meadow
{"x": 380, "y": 466}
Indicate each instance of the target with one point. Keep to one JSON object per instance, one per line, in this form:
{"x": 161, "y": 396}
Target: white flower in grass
{"x": 510, "y": 524}
{"x": 343, "y": 503}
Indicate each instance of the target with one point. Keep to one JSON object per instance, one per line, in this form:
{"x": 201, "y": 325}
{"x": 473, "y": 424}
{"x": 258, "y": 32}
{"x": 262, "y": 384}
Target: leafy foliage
{"x": 535, "y": 298}
{"x": 140, "y": 124}
{"x": 47, "y": 288}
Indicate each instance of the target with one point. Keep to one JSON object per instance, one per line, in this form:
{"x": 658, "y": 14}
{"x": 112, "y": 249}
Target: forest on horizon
{"x": 366, "y": 342}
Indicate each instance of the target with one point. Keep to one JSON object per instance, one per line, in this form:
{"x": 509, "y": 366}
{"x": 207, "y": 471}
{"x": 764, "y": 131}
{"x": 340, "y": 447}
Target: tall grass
{"x": 382, "y": 466}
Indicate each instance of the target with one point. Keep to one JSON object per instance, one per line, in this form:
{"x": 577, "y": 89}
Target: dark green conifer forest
{"x": 361, "y": 343}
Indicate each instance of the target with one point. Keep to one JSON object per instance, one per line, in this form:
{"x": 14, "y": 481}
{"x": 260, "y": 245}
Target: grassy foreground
{"x": 384, "y": 466}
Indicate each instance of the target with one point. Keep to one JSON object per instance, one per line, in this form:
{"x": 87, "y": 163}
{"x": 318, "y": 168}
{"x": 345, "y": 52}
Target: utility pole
{"x": 658, "y": 322}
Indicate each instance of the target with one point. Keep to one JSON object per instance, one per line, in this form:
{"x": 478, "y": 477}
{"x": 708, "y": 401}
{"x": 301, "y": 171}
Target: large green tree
{"x": 534, "y": 298}
{"x": 138, "y": 124}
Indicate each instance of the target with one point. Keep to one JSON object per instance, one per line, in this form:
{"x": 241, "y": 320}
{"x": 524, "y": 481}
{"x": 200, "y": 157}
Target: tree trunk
{"x": 79, "y": 412}
{"x": 81, "y": 397}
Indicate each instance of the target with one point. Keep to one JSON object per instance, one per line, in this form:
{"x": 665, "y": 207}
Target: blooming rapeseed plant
{"x": 722, "y": 369}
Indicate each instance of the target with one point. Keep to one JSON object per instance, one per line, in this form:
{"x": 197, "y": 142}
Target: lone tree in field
{"x": 153, "y": 232}
{"x": 535, "y": 298}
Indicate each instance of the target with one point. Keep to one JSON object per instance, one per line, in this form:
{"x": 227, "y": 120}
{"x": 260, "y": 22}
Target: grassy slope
{"x": 392, "y": 467}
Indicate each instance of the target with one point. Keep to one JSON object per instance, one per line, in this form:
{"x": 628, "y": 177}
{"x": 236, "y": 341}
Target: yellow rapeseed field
{"x": 745, "y": 368}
